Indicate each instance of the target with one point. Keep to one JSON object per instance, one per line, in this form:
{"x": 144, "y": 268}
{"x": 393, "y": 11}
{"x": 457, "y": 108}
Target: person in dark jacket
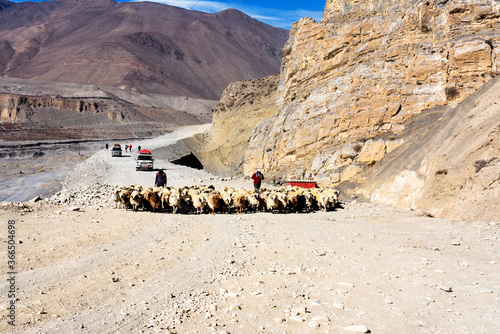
{"x": 257, "y": 179}
{"x": 161, "y": 178}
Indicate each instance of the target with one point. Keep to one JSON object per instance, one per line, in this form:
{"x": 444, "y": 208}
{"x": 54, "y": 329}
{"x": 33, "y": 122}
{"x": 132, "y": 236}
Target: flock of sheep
{"x": 205, "y": 199}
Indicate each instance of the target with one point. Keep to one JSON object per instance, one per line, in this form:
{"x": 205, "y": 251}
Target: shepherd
{"x": 161, "y": 178}
{"x": 257, "y": 179}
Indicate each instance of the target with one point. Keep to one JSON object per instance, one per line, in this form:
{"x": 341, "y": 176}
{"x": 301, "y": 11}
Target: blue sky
{"x": 280, "y": 13}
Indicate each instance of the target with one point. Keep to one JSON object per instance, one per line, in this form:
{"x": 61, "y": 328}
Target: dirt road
{"x": 360, "y": 268}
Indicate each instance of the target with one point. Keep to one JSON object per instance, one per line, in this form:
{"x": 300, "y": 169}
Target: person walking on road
{"x": 257, "y": 179}
{"x": 161, "y": 178}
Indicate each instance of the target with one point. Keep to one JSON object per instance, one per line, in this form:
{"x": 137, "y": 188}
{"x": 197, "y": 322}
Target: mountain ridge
{"x": 151, "y": 47}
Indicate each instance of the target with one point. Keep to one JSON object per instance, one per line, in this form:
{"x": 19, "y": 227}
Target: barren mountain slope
{"x": 152, "y": 47}
{"x": 4, "y": 4}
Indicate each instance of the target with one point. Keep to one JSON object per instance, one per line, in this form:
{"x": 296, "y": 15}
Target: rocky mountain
{"x": 4, "y": 4}
{"x": 351, "y": 88}
{"x": 151, "y": 47}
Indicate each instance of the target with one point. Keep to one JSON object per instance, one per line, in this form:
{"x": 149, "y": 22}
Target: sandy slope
{"x": 106, "y": 270}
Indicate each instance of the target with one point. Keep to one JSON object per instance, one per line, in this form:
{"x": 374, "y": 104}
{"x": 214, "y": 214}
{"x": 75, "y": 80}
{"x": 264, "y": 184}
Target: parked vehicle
{"x": 116, "y": 151}
{"x": 144, "y": 160}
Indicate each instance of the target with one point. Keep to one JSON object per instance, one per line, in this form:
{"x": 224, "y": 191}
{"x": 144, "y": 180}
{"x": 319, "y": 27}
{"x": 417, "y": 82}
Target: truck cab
{"x": 144, "y": 160}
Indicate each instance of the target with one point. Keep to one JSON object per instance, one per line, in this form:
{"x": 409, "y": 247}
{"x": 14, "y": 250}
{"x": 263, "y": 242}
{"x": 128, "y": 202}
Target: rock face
{"x": 363, "y": 71}
{"x": 242, "y": 106}
{"x": 448, "y": 165}
{"x": 53, "y": 117}
{"x": 392, "y": 101}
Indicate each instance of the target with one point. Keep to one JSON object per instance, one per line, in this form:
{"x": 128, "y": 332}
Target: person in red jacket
{"x": 257, "y": 179}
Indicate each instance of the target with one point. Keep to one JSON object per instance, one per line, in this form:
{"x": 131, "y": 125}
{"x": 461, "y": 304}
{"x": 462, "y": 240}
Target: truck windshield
{"x": 145, "y": 157}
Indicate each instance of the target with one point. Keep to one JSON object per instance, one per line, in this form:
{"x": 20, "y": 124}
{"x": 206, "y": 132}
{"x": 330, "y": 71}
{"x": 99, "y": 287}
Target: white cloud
{"x": 275, "y": 17}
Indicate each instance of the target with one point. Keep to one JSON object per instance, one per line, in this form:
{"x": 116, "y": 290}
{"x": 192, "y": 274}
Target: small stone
{"x": 233, "y": 307}
{"x": 313, "y": 324}
{"x": 357, "y": 328}
{"x": 321, "y": 318}
{"x": 299, "y": 310}
{"x": 296, "y": 318}
{"x": 315, "y": 302}
{"x": 456, "y": 241}
{"x": 446, "y": 288}
{"x": 338, "y": 305}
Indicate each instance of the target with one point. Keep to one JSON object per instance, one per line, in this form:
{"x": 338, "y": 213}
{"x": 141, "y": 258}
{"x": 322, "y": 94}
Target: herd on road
{"x": 206, "y": 199}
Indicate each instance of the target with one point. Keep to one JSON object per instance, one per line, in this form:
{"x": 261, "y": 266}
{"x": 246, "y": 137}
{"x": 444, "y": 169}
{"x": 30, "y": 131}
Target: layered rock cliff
{"x": 376, "y": 99}
{"x": 364, "y": 70}
{"x": 55, "y": 117}
{"x": 242, "y": 106}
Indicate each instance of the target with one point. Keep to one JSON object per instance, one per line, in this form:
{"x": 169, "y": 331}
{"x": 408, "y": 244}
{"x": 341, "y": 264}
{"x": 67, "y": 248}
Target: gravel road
{"x": 360, "y": 268}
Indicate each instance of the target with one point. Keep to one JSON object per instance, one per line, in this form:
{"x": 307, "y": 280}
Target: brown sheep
{"x": 214, "y": 201}
{"x": 155, "y": 201}
{"x": 240, "y": 202}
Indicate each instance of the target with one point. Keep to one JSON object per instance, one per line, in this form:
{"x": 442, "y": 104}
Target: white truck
{"x": 144, "y": 160}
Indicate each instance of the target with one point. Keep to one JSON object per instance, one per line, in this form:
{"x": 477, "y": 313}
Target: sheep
{"x": 214, "y": 201}
{"x": 254, "y": 201}
{"x": 227, "y": 201}
{"x": 174, "y": 201}
{"x": 155, "y": 201}
{"x": 239, "y": 202}
{"x": 186, "y": 202}
{"x": 146, "y": 194}
{"x": 165, "y": 194}
{"x": 282, "y": 202}
{"x": 199, "y": 203}
{"x": 206, "y": 198}
{"x": 116, "y": 197}
{"x": 136, "y": 199}
{"x": 323, "y": 201}
{"x": 292, "y": 201}
{"x": 272, "y": 202}
{"x": 125, "y": 198}
{"x": 309, "y": 201}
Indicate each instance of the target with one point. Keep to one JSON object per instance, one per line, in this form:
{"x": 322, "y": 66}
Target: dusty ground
{"x": 106, "y": 270}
